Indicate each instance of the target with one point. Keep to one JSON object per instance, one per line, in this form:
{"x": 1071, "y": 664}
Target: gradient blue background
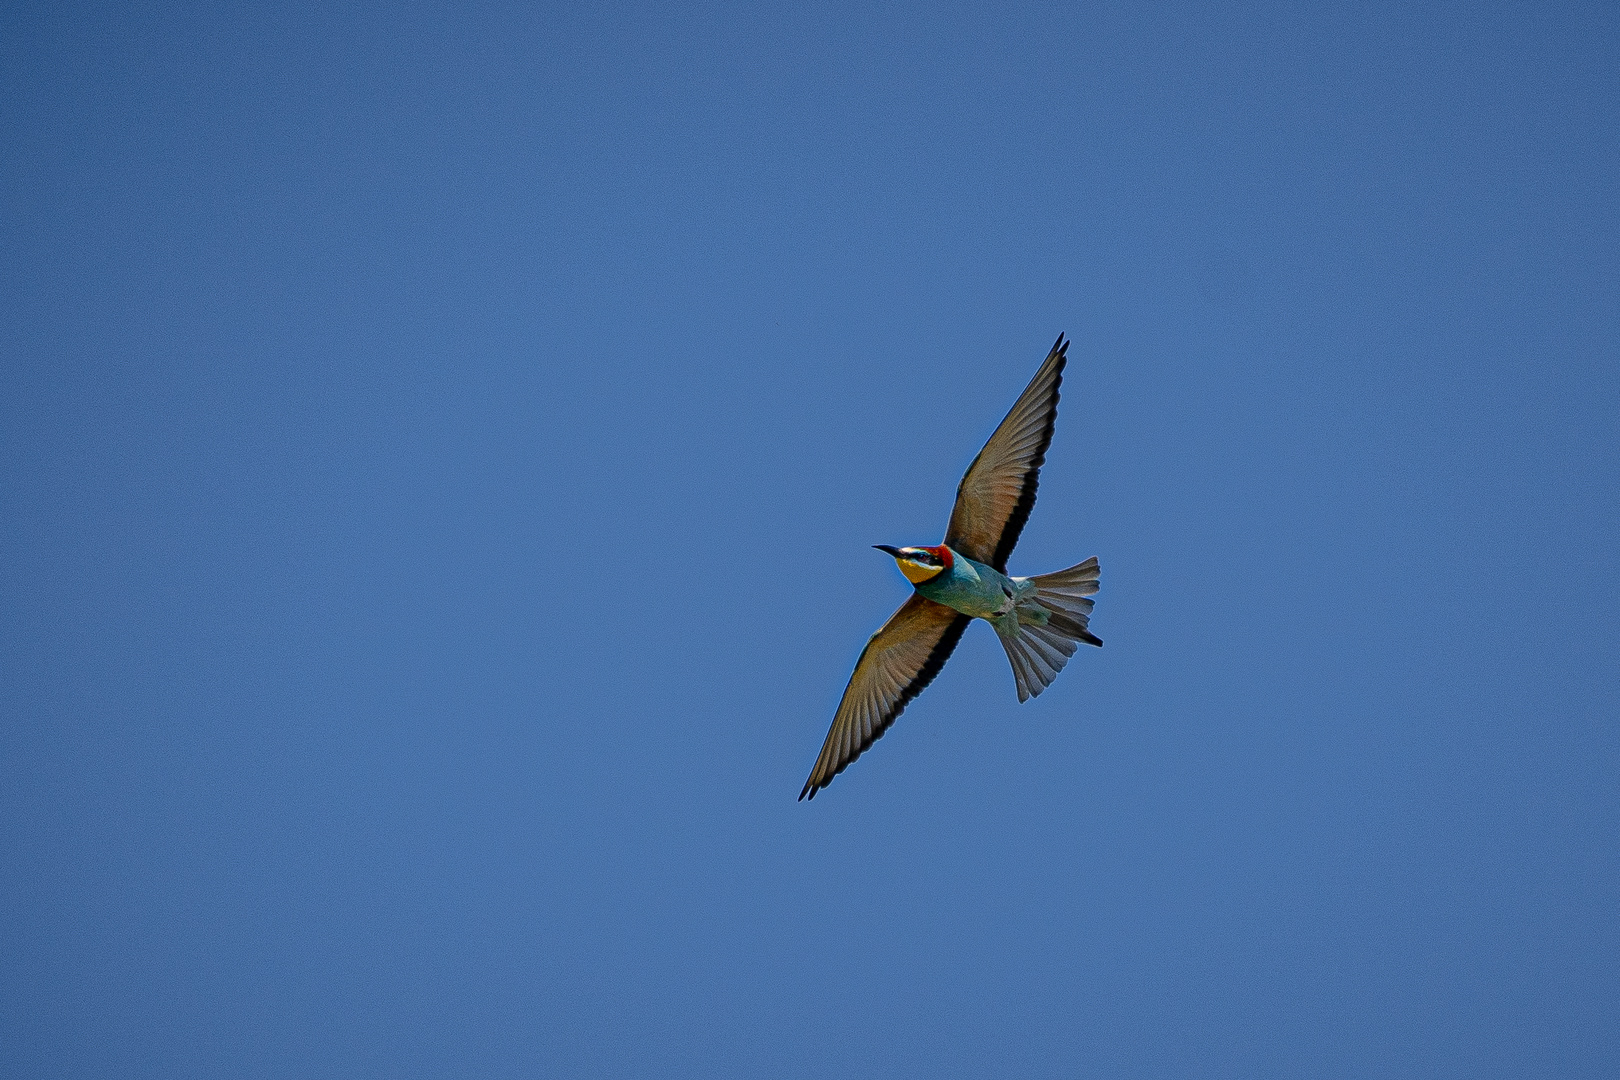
{"x": 441, "y": 446}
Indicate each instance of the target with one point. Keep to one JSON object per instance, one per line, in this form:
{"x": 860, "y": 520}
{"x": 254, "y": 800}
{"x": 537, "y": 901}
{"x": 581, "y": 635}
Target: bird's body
{"x": 971, "y": 588}
{"x": 976, "y": 590}
{"x": 1038, "y": 620}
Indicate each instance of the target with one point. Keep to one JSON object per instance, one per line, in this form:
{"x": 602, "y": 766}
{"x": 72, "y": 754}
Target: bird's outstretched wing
{"x": 998, "y": 492}
{"x": 896, "y": 664}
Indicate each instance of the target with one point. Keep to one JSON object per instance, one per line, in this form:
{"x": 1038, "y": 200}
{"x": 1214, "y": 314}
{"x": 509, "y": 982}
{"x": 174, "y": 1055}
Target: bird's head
{"x": 920, "y": 563}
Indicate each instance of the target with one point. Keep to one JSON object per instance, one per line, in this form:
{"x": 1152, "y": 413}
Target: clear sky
{"x": 440, "y": 447}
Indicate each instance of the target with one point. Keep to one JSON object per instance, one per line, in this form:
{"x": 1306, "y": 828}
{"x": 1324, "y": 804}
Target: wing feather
{"x": 901, "y": 659}
{"x": 995, "y": 497}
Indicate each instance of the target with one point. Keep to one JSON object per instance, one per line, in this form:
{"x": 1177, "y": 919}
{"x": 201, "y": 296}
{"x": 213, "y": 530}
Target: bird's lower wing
{"x": 998, "y": 492}
{"x": 896, "y": 664}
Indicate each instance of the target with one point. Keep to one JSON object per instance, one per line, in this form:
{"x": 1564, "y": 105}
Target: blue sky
{"x": 441, "y": 449}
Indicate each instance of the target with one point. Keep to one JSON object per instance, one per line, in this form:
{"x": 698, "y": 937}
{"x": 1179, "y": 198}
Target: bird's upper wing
{"x": 896, "y": 664}
{"x": 998, "y": 492}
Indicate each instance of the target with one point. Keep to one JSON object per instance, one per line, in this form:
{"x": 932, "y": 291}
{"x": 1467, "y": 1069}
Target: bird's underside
{"x": 993, "y": 503}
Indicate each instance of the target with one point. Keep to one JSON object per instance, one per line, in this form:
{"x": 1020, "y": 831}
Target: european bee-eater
{"x": 1038, "y": 619}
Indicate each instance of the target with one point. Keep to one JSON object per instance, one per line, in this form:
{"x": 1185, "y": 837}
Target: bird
{"x": 1039, "y": 620}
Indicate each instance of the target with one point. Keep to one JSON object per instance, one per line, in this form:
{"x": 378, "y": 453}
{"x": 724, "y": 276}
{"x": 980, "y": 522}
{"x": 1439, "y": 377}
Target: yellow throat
{"x": 916, "y": 573}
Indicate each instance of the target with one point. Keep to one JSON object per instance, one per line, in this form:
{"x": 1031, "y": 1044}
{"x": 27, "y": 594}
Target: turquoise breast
{"x": 970, "y": 587}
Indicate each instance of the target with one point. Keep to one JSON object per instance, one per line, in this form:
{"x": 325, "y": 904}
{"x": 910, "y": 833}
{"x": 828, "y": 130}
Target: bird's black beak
{"x": 891, "y": 550}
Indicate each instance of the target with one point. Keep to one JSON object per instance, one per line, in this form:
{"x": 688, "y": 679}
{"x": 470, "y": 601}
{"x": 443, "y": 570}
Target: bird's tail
{"x": 1049, "y": 622}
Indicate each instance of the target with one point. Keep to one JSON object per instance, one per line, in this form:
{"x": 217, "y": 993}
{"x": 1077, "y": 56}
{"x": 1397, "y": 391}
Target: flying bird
{"x": 1038, "y": 619}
